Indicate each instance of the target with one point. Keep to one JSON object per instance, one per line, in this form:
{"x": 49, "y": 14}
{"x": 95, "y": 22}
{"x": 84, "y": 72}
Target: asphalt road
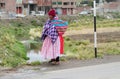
{"x": 102, "y": 71}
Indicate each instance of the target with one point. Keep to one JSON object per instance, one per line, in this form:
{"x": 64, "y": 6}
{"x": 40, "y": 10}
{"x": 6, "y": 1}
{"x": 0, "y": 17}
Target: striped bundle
{"x": 60, "y": 25}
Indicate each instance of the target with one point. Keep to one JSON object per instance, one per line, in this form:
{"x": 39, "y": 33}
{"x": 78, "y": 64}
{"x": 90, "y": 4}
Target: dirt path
{"x": 109, "y": 34}
{"x": 91, "y": 31}
{"x": 101, "y": 37}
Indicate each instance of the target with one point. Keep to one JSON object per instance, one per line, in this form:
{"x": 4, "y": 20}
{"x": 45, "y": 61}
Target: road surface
{"x": 102, "y": 71}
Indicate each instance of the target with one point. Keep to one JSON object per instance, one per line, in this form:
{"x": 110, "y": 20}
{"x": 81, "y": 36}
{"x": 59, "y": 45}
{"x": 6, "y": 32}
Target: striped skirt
{"x": 49, "y": 50}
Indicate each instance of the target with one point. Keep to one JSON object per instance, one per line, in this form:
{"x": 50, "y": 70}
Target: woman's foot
{"x": 58, "y": 60}
{"x": 55, "y": 61}
{"x": 52, "y": 60}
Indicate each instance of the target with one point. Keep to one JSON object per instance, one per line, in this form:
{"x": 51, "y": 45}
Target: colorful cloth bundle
{"x": 60, "y": 25}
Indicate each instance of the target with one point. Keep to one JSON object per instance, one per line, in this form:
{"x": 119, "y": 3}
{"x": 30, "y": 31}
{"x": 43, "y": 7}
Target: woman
{"x": 51, "y": 41}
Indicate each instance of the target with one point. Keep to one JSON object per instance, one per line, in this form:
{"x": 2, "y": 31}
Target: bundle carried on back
{"x": 61, "y": 26}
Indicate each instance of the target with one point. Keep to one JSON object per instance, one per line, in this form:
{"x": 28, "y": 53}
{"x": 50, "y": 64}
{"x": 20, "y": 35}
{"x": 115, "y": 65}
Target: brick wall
{"x": 44, "y": 2}
{"x": 10, "y": 5}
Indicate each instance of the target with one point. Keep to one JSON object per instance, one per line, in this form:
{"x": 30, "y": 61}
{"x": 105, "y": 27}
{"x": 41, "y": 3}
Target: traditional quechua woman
{"x": 51, "y": 40}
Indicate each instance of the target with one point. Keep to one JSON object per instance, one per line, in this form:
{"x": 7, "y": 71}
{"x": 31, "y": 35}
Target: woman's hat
{"x": 52, "y": 12}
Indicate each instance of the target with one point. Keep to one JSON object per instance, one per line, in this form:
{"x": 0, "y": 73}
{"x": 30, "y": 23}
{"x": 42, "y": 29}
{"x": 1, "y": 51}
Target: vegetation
{"x": 13, "y": 53}
{"x": 83, "y": 49}
{"x": 35, "y": 63}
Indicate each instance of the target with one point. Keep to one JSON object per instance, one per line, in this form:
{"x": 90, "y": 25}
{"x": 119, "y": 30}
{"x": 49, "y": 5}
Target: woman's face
{"x": 51, "y": 17}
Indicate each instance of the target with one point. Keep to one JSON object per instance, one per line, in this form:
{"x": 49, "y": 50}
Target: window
{"x": 2, "y": 5}
{"x": 45, "y": 0}
{"x": 25, "y": 6}
{"x": 59, "y": 3}
{"x": 66, "y": 3}
{"x": 72, "y": 3}
{"x": 54, "y": 3}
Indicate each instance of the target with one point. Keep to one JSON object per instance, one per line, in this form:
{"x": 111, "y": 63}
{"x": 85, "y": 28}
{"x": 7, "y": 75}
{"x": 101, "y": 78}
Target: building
{"x": 28, "y": 6}
{"x": 44, "y": 5}
{"x": 112, "y": 7}
{"x": 36, "y": 5}
{"x": 64, "y": 7}
{"x": 2, "y": 5}
{"x": 8, "y": 5}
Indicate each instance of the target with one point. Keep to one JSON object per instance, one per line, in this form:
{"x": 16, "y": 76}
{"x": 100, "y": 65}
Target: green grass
{"x": 111, "y": 48}
{"x": 12, "y": 52}
{"x": 35, "y": 63}
{"x": 85, "y": 50}
{"x": 87, "y": 22}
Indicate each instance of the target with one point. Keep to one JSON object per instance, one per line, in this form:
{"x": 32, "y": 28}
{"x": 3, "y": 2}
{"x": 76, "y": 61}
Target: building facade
{"x": 8, "y": 5}
{"x": 44, "y": 5}
{"x": 36, "y": 5}
{"x": 28, "y": 6}
{"x": 111, "y": 7}
{"x": 64, "y": 7}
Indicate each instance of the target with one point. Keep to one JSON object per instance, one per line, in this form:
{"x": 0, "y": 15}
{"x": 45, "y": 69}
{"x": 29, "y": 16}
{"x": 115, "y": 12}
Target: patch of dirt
{"x": 101, "y": 37}
{"x": 91, "y": 31}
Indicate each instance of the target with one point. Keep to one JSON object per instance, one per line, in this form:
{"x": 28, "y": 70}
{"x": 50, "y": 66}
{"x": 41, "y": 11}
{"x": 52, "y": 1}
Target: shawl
{"x": 49, "y": 30}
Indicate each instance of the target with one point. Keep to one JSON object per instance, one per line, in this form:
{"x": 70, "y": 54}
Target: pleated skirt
{"x": 49, "y": 50}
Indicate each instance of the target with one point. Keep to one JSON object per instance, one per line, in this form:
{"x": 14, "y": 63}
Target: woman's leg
{"x": 57, "y": 60}
{"x": 52, "y": 60}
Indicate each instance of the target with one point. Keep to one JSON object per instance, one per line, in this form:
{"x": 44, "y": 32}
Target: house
{"x": 28, "y": 6}
{"x": 64, "y": 7}
{"x": 36, "y": 5}
{"x": 112, "y": 7}
{"x": 44, "y": 5}
{"x": 11, "y": 6}
{"x": 8, "y": 5}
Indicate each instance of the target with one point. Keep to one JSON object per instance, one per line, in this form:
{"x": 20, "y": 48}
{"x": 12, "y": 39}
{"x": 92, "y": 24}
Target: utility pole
{"x": 95, "y": 33}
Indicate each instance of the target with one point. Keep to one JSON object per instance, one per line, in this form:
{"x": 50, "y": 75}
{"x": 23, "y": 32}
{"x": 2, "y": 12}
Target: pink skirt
{"x": 49, "y": 50}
